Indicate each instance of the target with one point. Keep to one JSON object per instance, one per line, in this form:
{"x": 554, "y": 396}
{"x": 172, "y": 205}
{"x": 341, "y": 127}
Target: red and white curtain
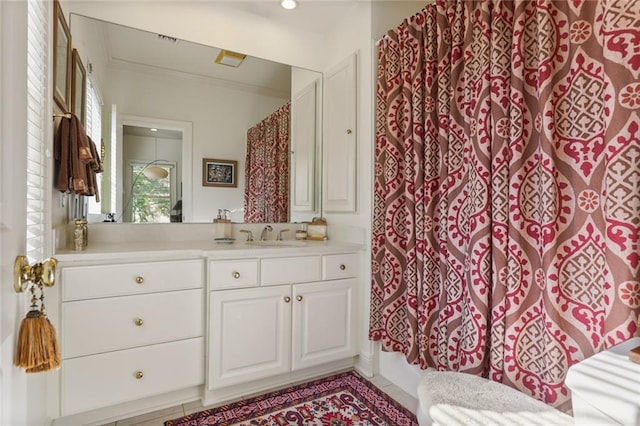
{"x": 266, "y": 193}
{"x": 507, "y": 188}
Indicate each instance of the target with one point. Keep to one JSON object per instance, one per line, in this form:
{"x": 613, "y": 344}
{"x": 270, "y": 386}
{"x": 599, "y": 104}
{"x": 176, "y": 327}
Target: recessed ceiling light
{"x": 289, "y": 4}
{"x": 154, "y": 130}
{"x": 232, "y": 59}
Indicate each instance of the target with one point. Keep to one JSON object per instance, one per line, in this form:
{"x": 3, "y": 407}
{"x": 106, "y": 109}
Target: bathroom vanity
{"x": 148, "y": 325}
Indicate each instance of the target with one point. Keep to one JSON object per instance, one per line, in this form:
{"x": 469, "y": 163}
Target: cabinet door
{"x": 323, "y": 322}
{"x": 250, "y": 334}
{"x": 339, "y": 139}
{"x": 303, "y": 149}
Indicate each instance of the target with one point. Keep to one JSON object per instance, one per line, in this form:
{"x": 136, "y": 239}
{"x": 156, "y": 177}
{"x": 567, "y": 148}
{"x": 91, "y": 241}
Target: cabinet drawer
{"x": 338, "y": 266}
{"x": 88, "y": 282}
{"x": 233, "y": 274}
{"x": 290, "y": 270}
{"x": 102, "y": 325}
{"x": 101, "y": 380}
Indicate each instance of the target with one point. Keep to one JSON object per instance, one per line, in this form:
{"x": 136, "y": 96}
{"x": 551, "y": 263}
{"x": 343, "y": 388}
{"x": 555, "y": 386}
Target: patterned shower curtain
{"x": 507, "y": 188}
{"x": 266, "y": 193}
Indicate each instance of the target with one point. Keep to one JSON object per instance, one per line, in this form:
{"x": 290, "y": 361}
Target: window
{"x": 151, "y": 200}
{"x": 94, "y": 130}
{"x": 37, "y": 97}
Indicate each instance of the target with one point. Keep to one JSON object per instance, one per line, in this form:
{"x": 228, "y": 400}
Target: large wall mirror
{"x": 167, "y": 103}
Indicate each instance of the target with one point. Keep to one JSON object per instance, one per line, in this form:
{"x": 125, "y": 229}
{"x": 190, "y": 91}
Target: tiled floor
{"x": 157, "y": 418}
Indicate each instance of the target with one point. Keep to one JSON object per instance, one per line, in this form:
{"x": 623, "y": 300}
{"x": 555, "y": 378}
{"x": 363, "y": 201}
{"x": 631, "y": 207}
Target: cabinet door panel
{"x": 250, "y": 335}
{"x": 339, "y": 266}
{"x": 303, "y": 149}
{"x": 90, "y": 282}
{"x": 323, "y": 322}
{"x": 102, "y": 325}
{"x": 227, "y": 274}
{"x": 101, "y": 380}
{"x": 290, "y": 270}
{"x": 339, "y": 139}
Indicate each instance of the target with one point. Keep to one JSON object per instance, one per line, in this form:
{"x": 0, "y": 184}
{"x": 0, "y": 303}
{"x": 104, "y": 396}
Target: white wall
{"x": 389, "y": 14}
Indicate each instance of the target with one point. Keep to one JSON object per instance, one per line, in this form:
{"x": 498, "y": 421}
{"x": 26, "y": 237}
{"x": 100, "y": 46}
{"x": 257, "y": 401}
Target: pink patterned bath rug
{"x": 345, "y": 399}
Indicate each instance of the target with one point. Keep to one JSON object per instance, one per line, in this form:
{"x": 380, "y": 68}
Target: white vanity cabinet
{"x": 291, "y": 320}
{"x": 129, "y": 331}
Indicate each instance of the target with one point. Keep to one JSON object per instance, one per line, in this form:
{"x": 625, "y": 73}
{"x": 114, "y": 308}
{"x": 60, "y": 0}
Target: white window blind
{"x": 37, "y": 95}
{"x": 94, "y": 130}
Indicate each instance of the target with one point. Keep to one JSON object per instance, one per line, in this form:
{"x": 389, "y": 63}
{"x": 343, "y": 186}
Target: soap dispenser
{"x": 222, "y": 225}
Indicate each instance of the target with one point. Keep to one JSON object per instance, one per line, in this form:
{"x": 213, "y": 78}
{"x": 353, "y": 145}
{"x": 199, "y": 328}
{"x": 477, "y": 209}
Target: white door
{"x": 323, "y": 323}
{"x": 21, "y": 396}
{"x": 250, "y": 334}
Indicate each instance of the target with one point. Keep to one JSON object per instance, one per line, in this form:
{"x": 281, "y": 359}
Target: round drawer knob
{"x": 299, "y": 298}
{"x": 343, "y": 267}
{"x": 236, "y": 274}
{"x": 287, "y": 299}
{"x": 139, "y": 280}
{"x": 139, "y": 322}
{"x": 138, "y": 375}
{"x": 349, "y": 131}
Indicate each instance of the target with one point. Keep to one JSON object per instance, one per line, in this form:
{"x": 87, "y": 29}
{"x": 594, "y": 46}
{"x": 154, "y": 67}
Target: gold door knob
{"x": 138, "y": 375}
{"x": 287, "y": 299}
{"x": 299, "y": 298}
{"x": 349, "y": 131}
{"x": 236, "y": 274}
{"x": 39, "y": 273}
{"x": 139, "y": 280}
{"x": 343, "y": 267}
{"x": 139, "y": 322}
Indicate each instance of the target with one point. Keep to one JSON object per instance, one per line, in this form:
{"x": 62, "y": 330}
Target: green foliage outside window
{"x": 151, "y": 199}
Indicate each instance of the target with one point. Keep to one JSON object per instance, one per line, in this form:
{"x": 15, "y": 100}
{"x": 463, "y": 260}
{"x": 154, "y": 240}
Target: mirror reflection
{"x": 202, "y": 105}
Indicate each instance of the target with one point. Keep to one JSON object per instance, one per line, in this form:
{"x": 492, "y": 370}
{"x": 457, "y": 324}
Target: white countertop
{"x": 164, "y": 250}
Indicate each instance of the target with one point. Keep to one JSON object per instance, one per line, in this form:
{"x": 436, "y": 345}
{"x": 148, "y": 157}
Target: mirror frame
{"x": 61, "y": 94}
{"x": 78, "y": 81}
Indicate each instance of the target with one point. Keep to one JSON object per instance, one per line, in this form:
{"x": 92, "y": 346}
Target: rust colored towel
{"x": 74, "y": 163}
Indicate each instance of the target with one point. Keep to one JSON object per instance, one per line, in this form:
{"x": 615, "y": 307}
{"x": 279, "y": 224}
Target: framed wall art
{"x": 222, "y": 173}
{"x": 61, "y": 59}
{"x": 78, "y": 84}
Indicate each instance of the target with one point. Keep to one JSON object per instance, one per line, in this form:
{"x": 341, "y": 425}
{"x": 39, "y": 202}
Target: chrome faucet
{"x": 249, "y": 234}
{"x": 279, "y": 237}
{"x": 263, "y": 235}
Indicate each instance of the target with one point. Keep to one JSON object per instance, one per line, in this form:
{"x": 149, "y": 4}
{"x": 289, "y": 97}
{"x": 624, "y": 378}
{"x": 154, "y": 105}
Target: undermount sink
{"x": 276, "y": 243}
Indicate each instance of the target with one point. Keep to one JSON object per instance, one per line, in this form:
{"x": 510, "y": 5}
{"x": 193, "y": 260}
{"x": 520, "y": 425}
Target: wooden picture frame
{"x": 61, "y": 59}
{"x": 78, "y": 87}
{"x": 220, "y": 173}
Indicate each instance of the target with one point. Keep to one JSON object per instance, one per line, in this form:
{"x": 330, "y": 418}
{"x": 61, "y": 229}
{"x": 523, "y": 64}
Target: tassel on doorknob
{"x": 37, "y": 346}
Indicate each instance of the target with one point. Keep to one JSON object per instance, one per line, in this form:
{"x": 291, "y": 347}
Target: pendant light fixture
{"x": 153, "y": 171}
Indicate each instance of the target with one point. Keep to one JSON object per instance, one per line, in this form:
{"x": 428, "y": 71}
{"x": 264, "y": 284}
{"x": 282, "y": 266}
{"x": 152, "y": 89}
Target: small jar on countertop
{"x": 79, "y": 235}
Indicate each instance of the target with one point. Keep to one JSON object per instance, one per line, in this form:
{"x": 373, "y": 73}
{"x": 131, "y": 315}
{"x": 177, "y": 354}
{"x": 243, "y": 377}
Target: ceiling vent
{"x": 170, "y": 39}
